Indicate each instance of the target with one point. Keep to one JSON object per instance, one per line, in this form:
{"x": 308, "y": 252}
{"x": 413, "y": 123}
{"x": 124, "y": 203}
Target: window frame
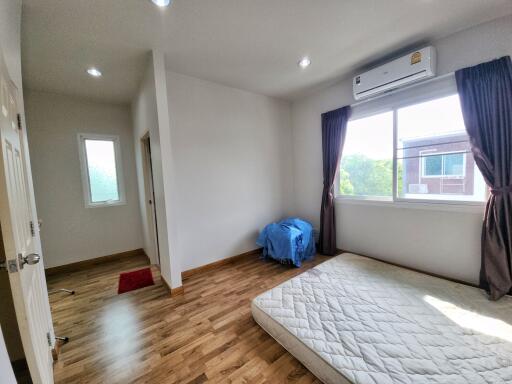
{"x": 429, "y": 90}
{"x": 86, "y": 186}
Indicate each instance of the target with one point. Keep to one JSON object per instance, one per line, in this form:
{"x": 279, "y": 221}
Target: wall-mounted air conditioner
{"x": 415, "y": 66}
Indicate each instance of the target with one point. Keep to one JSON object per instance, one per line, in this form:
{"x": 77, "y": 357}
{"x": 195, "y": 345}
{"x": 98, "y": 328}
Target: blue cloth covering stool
{"x": 289, "y": 241}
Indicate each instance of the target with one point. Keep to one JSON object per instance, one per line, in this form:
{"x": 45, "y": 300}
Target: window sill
{"x": 105, "y": 205}
{"x": 450, "y": 206}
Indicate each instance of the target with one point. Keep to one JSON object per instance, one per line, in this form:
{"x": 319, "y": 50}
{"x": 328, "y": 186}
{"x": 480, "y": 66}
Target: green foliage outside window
{"x": 362, "y": 176}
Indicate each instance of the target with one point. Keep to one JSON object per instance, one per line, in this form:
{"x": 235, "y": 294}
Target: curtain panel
{"x": 334, "y": 129}
{"x": 485, "y": 92}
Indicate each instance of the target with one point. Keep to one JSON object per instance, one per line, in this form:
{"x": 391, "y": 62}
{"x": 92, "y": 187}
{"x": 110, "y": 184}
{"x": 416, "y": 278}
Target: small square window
{"x": 101, "y": 170}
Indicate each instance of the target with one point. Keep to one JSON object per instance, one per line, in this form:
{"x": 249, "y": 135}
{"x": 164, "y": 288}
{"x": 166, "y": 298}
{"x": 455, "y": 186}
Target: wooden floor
{"x": 145, "y": 336}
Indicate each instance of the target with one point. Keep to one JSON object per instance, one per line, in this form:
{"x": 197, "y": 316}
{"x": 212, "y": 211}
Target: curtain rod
{"x": 431, "y": 80}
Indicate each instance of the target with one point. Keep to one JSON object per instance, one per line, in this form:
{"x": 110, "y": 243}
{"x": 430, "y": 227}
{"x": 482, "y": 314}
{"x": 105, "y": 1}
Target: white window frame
{"x": 439, "y": 87}
{"x": 430, "y": 153}
{"x": 82, "y": 137}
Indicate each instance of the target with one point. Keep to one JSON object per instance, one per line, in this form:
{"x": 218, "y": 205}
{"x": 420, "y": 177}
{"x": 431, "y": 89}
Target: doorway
{"x": 149, "y": 196}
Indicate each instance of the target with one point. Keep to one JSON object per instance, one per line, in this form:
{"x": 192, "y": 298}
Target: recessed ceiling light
{"x": 162, "y": 3}
{"x": 94, "y": 72}
{"x": 304, "y": 62}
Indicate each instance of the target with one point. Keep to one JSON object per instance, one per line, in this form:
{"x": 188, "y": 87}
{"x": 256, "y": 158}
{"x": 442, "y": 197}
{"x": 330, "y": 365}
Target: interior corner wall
{"x": 172, "y": 206}
{"x": 442, "y": 242}
{"x": 70, "y": 231}
{"x": 232, "y": 158}
{"x": 145, "y": 120}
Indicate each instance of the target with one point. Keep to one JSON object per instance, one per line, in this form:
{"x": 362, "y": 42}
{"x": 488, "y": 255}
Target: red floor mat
{"x": 130, "y": 281}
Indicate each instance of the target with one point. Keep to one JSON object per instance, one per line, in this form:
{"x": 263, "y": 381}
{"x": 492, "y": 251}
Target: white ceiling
{"x": 248, "y": 44}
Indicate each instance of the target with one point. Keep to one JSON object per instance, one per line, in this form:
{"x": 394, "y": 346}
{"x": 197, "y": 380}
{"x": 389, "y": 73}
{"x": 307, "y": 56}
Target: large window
{"x": 413, "y": 152}
{"x": 101, "y": 170}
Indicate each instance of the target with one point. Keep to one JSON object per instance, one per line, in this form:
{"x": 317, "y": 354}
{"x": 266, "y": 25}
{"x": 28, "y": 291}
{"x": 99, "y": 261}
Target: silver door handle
{"x": 30, "y": 259}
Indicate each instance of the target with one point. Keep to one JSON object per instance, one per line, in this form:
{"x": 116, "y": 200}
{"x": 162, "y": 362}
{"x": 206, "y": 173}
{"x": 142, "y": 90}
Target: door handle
{"x": 30, "y": 259}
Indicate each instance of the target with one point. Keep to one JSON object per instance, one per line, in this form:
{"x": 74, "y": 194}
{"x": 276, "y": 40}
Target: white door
{"x": 21, "y": 238}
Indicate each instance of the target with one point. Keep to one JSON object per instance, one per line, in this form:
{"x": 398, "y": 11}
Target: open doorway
{"x": 149, "y": 193}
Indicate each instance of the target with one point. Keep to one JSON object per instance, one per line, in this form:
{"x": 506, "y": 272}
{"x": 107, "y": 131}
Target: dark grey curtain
{"x": 334, "y": 129}
{"x": 485, "y": 92}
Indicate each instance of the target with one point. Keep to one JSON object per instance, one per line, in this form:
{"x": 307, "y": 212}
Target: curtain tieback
{"x": 501, "y": 190}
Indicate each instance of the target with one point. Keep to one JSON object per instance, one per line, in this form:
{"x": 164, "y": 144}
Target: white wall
{"x": 71, "y": 232}
{"x": 10, "y": 26}
{"x": 145, "y": 118}
{"x": 443, "y": 242}
{"x": 145, "y": 121}
{"x": 232, "y": 161}
{"x": 168, "y": 171}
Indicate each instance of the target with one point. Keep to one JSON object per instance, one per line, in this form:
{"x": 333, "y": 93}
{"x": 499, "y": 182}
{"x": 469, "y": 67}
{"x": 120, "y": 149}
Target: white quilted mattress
{"x": 356, "y": 320}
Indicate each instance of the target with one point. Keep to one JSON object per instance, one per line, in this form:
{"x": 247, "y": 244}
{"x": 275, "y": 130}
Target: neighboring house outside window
{"x": 438, "y": 165}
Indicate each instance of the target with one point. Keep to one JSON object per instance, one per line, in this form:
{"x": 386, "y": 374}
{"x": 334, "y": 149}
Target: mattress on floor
{"x": 356, "y": 320}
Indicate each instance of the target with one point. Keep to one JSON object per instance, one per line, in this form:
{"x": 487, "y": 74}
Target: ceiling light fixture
{"x": 94, "y": 72}
{"x": 162, "y": 3}
{"x": 304, "y": 62}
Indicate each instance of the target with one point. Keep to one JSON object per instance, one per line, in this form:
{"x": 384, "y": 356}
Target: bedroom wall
{"x": 146, "y": 119}
{"x": 71, "y": 232}
{"x": 232, "y": 158}
{"x": 427, "y": 237}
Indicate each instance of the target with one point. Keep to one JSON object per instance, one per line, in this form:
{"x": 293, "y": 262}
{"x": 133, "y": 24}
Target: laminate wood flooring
{"x": 145, "y": 336}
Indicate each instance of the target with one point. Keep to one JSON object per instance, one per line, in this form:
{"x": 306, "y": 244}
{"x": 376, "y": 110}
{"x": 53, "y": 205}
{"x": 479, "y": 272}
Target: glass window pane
{"x": 101, "y": 164}
{"x": 432, "y": 165}
{"x": 434, "y": 156}
{"x": 453, "y": 164}
{"x": 367, "y": 159}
